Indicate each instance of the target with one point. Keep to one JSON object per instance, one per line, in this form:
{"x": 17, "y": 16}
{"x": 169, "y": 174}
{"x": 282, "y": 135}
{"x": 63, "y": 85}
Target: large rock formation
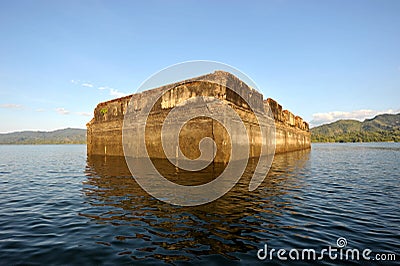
{"x": 291, "y": 132}
{"x": 104, "y": 134}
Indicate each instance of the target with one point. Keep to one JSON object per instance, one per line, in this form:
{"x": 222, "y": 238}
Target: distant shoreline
{"x": 37, "y": 144}
{"x": 56, "y": 137}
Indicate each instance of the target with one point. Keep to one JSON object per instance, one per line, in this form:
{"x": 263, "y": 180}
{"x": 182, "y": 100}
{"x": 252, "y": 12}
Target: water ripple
{"x": 58, "y": 208}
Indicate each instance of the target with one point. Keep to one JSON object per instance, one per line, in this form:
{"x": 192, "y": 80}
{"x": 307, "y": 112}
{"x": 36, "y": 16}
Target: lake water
{"x": 59, "y": 207}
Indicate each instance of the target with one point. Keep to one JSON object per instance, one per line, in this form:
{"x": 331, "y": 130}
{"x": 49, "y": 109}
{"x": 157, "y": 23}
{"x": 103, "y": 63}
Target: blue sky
{"x": 322, "y": 60}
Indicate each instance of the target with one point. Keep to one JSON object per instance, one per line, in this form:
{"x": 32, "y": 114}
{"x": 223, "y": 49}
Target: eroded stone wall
{"x": 292, "y": 133}
{"x": 104, "y": 135}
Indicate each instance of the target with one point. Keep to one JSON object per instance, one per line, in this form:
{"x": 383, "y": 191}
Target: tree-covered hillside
{"x": 62, "y": 136}
{"x": 384, "y": 127}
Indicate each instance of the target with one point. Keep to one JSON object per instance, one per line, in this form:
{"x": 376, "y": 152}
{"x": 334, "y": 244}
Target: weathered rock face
{"x": 292, "y": 133}
{"x": 105, "y": 129}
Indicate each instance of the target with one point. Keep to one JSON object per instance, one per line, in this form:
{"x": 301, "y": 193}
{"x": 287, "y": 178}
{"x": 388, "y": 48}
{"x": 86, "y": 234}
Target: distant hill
{"x": 62, "y": 136}
{"x": 384, "y": 127}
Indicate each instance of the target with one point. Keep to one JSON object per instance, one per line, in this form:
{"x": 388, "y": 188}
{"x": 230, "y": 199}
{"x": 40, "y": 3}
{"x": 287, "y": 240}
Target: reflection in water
{"x": 231, "y": 227}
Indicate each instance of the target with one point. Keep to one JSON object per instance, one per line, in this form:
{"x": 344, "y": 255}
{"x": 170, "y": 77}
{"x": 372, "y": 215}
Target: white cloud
{"x": 11, "y": 106}
{"x": 40, "y": 110}
{"x": 89, "y": 85}
{"x": 62, "y": 111}
{"x": 116, "y": 93}
{"x": 112, "y": 92}
{"x": 83, "y": 113}
{"x": 361, "y": 115}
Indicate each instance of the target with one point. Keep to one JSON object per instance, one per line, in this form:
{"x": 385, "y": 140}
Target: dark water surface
{"x": 59, "y": 207}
